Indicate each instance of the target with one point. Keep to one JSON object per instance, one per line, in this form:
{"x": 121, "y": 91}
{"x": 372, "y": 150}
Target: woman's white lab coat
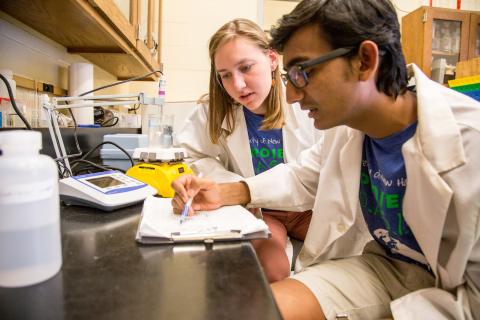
{"x": 231, "y": 159}
{"x": 441, "y": 203}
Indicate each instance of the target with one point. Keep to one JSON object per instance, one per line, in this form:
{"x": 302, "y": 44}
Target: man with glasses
{"x": 400, "y": 163}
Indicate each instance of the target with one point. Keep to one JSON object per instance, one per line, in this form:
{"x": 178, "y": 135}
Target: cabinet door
{"x": 148, "y": 39}
{"x": 448, "y": 42}
{"x": 117, "y": 13}
{"x": 125, "y": 8}
{"x": 132, "y": 19}
{"x": 474, "y": 42}
{"x": 157, "y": 30}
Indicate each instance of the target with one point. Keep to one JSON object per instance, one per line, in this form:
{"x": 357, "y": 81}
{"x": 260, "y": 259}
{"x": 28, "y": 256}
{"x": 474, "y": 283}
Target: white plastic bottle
{"x": 30, "y": 240}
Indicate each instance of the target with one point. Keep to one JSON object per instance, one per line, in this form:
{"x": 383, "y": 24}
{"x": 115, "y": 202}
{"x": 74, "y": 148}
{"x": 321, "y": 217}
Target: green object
{"x": 467, "y": 88}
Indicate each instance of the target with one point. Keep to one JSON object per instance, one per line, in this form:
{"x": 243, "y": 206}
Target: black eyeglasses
{"x": 297, "y": 75}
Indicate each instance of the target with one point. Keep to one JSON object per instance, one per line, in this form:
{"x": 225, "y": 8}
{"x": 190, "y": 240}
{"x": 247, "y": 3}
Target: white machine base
{"x": 107, "y": 191}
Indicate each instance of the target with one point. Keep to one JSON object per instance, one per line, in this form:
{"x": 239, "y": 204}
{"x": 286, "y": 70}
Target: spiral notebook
{"x": 159, "y": 224}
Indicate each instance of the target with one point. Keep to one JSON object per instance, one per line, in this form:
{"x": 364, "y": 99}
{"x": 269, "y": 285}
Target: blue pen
{"x": 187, "y": 206}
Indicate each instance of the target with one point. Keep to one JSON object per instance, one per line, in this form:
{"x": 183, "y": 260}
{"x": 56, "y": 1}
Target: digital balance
{"x": 107, "y": 191}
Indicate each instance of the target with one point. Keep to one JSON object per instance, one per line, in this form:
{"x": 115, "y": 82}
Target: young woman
{"x": 244, "y": 128}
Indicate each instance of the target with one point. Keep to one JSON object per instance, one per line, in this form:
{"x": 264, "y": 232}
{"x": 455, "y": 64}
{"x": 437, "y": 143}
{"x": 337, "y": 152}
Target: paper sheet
{"x": 158, "y": 220}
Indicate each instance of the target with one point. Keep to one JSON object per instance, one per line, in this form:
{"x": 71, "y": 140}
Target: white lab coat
{"x": 441, "y": 203}
{"x": 230, "y": 159}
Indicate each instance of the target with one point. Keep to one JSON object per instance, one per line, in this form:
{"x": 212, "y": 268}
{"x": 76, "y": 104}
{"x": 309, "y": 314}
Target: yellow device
{"x": 159, "y": 175}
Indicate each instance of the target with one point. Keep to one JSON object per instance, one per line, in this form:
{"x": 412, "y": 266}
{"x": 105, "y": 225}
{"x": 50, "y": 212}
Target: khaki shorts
{"x": 362, "y": 287}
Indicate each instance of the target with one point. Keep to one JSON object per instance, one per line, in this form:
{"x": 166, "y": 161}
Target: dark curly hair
{"x": 347, "y": 23}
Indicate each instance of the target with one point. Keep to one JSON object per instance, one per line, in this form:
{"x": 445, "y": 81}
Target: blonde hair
{"x": 220, "y": 103}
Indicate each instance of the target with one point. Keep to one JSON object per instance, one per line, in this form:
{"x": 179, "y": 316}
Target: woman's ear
{"x": 368, "y": 55}
{"x": 273, "y": 56}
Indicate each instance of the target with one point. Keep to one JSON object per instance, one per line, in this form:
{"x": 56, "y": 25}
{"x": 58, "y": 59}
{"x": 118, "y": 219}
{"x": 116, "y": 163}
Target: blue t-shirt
{"x": 382, "y": 187}
{"x": 266, "y": 146}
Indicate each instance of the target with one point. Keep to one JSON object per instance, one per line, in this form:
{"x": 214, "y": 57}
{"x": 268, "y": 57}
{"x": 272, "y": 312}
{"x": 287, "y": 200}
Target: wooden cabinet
{"x": 437, "y": 38}
{"x": 148, "y": 13}
{"x": 474, "y": 49}
{"x": 98, "y": 30}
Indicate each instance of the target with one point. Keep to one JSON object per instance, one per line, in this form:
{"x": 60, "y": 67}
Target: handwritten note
{"x": 158, "y": 220}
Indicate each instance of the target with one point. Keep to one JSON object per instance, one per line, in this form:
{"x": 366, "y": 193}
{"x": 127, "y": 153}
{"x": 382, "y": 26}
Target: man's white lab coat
{"x": 441, "y": 203}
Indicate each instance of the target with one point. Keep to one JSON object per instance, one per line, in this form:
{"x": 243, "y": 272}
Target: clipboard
{"x": 159, "y": 225}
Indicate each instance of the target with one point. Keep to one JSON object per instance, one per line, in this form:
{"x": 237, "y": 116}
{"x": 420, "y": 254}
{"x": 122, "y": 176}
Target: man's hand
{"x": 205, "y": 193}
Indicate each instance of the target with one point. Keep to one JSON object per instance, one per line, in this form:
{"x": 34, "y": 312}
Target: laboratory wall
{"x": 30, "y": 54}
{"x": 406, "y": 6}
{"x": 186, "y": 28}
{"x": 274, "y": 9}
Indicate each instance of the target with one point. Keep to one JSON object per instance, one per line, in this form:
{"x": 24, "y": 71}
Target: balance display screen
{"x": 104, "y": 182}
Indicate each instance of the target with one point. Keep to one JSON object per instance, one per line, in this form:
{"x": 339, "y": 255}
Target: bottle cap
{"x": 20, "y": 139}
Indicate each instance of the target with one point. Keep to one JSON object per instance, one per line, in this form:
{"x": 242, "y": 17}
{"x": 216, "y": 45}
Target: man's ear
{"x": 273, "y": 56}
{"x": 368, "y": 55}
